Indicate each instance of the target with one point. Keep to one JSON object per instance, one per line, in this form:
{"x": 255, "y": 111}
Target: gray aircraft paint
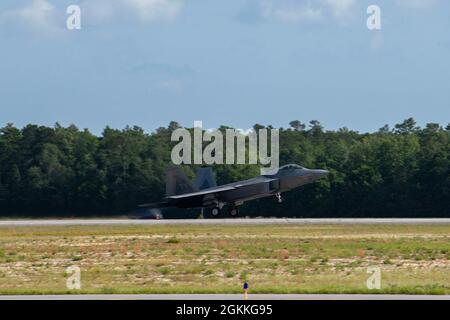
{"x": 203, "y": 193}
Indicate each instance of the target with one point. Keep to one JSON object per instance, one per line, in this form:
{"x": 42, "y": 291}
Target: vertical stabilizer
{"x": 204, "y": 179}
{"x": 177, "y": 182}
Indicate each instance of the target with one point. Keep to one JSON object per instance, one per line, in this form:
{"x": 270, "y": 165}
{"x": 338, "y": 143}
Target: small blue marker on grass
{"x": 246, "y": 290}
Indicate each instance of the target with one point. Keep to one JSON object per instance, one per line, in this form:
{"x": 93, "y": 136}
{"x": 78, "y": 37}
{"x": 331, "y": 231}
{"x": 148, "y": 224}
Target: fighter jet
{"x": 205, "y": 194}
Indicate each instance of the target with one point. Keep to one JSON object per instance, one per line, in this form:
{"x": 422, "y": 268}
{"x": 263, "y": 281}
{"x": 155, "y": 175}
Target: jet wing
{"x": 206, "y": 197}
{"x": 202, "y": 193}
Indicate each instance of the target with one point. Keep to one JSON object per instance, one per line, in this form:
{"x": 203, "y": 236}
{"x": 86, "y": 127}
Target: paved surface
{"x": 350, "y": 221}
{"x": 227, "y": 297}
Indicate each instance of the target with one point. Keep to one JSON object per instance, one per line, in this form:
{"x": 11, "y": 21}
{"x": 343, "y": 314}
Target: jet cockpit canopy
{"x": 290, "y": 167}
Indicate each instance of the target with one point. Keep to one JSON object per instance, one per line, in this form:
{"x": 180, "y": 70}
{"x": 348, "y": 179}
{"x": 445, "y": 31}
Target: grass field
{"x": 413, "y": 259}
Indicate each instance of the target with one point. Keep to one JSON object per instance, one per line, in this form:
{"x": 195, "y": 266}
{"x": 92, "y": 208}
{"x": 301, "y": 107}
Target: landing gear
{"x": 234, "y": 211}
{"x": 279, "y": 198}
{"x": 215, "y": 212}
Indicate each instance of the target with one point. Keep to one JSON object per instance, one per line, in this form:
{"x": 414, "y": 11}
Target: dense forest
{"x": 402, "y": 171}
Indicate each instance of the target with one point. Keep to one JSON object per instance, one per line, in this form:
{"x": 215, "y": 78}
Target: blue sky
{"x": 234, "y": 62}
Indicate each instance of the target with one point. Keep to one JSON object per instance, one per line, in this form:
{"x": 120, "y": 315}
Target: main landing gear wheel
{"x": 215, "y": 212}
{"x": 234, "y": 212}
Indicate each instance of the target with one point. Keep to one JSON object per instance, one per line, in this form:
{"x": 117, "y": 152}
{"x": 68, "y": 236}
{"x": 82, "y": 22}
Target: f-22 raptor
{"x": 205, "y": 194}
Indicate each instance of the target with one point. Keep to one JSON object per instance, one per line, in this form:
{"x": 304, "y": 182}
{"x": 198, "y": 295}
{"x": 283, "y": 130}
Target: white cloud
{"x": 42, "y": 16}
{"x": 340, "y": 8}
{"x": 298, "y": 11}
{"x": 38, "y": 12}
{"x": 38, "y": 15}
{"x": 298, "y": 15}
{"x": 291, "y": 14}
{"x": 307, "y": 11}
{"x": 146, "y": 10}
{"x": 150, "y": 10}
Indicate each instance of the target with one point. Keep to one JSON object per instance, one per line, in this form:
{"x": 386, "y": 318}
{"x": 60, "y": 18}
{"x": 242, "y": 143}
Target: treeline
{"x": 398, "y": 172}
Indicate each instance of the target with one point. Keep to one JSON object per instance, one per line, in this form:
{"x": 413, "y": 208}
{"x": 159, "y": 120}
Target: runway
{"x": 221, "y": 297}
{"x": 262, "y": 221}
